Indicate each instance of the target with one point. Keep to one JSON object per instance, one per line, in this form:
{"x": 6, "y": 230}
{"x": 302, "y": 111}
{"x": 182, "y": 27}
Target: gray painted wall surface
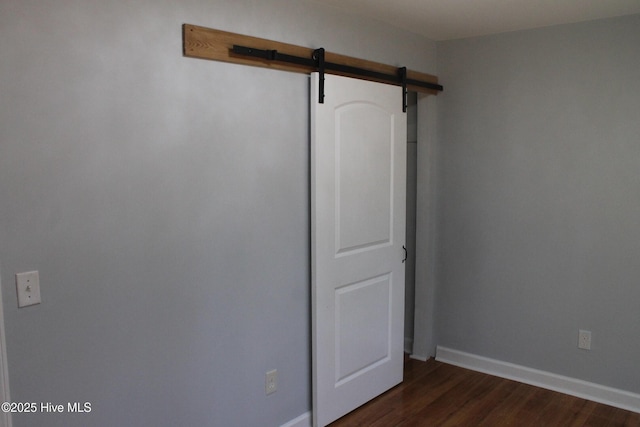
{"x": 165, "y": 202}
{"x": 539, "y": 225}
{"x": 410, "y": 238}
{"x": 425, "y": 334}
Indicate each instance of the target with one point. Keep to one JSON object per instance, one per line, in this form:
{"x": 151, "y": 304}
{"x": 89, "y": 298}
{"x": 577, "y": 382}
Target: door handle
{"x": 405, "y": 253}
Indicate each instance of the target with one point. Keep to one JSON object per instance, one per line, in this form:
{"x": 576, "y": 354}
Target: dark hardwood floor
{"x": 437, "y": 394}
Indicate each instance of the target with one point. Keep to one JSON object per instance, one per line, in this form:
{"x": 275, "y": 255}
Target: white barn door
{"x": 358, "y": 180}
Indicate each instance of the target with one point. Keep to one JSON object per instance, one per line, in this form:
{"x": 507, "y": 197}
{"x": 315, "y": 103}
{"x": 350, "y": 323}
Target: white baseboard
{"x": 418, "y": 357}
{"x": 572, "y": 386}
{"x": 5, "y": 417}
{"x": 303, "y": 420}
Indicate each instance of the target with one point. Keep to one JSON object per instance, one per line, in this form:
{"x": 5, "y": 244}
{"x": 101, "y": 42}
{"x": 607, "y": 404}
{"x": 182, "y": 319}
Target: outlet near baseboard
{"x": 584, "y": 339}
{"x": 271, "y": 382}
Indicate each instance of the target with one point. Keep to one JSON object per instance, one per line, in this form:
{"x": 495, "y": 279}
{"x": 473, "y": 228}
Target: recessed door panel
{"x": 362, "y": 326}
{"x": 364, "y": 178}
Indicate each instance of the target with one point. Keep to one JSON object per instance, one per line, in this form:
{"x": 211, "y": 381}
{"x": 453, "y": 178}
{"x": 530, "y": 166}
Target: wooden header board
{"x": 207, "y": 43}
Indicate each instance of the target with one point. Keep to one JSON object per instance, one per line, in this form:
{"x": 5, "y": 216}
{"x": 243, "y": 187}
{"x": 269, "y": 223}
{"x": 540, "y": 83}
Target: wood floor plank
{"x": 437, "y": 394}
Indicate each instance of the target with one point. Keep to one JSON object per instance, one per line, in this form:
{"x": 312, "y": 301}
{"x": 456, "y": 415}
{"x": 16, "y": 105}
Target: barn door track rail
{"x": 207, "y": 43}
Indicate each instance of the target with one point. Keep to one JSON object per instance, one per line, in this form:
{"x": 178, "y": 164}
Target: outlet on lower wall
{"x": 271, "y": 382}
{"x": 584, "y": 339}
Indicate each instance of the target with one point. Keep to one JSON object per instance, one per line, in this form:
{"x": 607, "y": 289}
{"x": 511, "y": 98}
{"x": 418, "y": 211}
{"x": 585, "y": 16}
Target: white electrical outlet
{"x": 584, "y": 339}
{"x": 28, "y": 288}
{"x": 271, "y": 382}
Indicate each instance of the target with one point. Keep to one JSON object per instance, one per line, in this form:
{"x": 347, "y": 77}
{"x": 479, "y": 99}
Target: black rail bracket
{"x": 402, "y": 74}
{"x": 318, "y": 56}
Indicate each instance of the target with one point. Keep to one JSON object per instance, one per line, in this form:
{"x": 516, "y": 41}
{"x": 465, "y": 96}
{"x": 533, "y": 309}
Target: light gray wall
{"x": 425, "y": 333}
{"x": 410, "y": 235}
{"x": 539, "y": 226}
{"x": 165, "y": 202}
